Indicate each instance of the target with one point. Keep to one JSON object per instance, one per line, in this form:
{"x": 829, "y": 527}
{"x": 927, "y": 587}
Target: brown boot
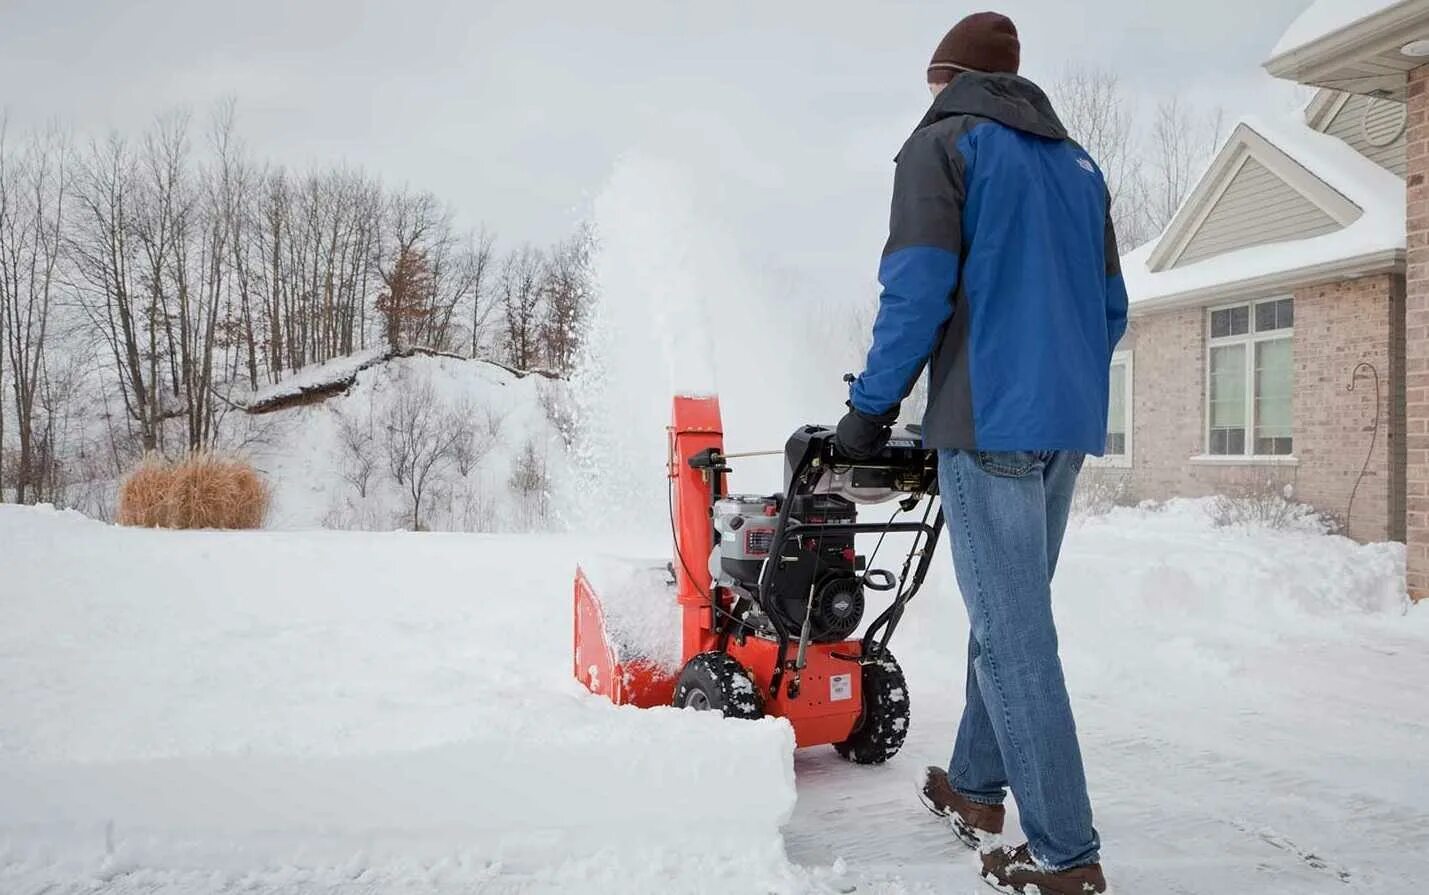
{"x": 1014, "y": 870}
{"x": 977, "y": 825}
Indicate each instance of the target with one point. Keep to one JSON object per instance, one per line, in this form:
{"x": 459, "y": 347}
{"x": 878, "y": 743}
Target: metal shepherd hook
{"x": 1374, "y": 433}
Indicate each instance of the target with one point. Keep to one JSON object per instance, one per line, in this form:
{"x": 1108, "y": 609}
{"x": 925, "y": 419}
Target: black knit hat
{"x": 984, "y": 41}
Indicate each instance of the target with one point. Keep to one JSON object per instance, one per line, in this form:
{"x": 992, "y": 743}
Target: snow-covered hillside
{"x": 335, "y": 461}
{"x": 360, "y": 712}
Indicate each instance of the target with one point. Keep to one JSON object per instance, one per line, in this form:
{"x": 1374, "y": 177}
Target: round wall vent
{"x": 1384, "y": 121}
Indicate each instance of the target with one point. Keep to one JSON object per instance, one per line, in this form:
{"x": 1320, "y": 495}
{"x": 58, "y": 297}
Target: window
{"x": 1118, "y": 426}
{"x": 1250, "y": 380}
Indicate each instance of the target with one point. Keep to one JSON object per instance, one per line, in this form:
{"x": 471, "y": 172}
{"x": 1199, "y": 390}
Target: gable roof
{"x": 1364, "y": 201}
{"x": 1246, "y": 152}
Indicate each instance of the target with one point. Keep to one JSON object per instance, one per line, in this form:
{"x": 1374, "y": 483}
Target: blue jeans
{"x": 1007, "y": 513}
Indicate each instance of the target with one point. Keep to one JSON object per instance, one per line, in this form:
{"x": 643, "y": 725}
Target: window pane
{"x": 1264, "y": 316}
{"x": 1274, "y": 390}
{"x": 1240, "y": 320}
{"x": 1220, "y": 324}
{"x": 1273, "y": 315}
{"x": 1116, "y": 411}
{"x": 1228, "y": 399}
{"x": 1227, "y": 441}
{"x": 1230, "y": 322}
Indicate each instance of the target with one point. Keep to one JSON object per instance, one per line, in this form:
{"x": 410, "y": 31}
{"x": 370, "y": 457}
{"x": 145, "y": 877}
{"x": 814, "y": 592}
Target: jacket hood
{"x": 1007, "y": 99}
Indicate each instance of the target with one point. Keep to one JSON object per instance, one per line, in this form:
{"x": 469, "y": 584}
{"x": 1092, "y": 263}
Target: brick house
{"x": 1280, "y": 325}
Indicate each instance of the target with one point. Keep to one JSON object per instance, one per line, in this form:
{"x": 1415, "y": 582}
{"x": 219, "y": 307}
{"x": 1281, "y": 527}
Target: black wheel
{"x": 715, "y": 682}
{"x": 883, "y": 726}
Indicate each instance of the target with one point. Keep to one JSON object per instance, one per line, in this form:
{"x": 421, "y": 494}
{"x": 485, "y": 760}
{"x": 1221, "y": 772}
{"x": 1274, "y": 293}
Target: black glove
{"x": 860, "y": 436}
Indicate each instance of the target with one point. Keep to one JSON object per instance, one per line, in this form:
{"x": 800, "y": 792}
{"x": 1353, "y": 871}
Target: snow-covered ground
{"x": 354, "y": 712}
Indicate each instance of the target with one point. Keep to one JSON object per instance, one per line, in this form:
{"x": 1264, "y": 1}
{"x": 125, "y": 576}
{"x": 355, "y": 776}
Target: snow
{"x": 1379, "y": 193}
{"x": 316, "y": 376}
{"x": 299, "y": 712}
{"x": 197, "y": 711}
{"x": 1324, "y": 17}
{"x": 301, "y": 449}
{"x": 637, "y": 603}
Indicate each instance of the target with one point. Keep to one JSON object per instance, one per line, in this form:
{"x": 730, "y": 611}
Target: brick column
{"x": 1416, "y": 336}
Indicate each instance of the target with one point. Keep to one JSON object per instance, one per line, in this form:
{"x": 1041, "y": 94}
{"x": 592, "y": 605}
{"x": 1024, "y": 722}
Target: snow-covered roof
{"x": 1325, "y": 17}
{"x": 1369, "y": 239}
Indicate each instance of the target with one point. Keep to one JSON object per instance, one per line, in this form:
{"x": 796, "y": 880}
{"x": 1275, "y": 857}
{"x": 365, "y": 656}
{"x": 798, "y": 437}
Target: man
{"x": 1001, "y": 276}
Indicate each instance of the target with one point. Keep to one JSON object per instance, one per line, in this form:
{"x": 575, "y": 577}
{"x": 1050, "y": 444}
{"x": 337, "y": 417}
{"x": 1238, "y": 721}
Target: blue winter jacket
{"x": 1000, "y": 275}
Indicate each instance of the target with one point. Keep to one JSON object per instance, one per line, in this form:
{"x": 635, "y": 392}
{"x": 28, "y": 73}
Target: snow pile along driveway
{"x": 202, "y": 711}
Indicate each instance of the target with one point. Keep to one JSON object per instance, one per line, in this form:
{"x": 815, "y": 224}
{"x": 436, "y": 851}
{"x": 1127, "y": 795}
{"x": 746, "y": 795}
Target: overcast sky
{"x": 785, "y": 114}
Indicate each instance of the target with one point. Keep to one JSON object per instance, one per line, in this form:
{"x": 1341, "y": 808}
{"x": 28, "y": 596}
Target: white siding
{"x": 1365, "y": 122}
{"x": 1257, "y": 208}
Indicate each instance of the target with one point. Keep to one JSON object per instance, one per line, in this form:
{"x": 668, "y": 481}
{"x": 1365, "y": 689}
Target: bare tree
{"x": 1101, "y": 117}
{"x": 420, "y": 440}
{"x": 482, "y": 254}
{"x": 520, "y": 291}
{"x": 567, "y": 292}
{"x": 31, "y": 229}
{"x": 1182, "y": 140}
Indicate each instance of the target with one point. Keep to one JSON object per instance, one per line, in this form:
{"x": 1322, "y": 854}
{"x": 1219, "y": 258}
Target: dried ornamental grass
{"x": 143, "y": 491}
{"x": 203, "y": 490}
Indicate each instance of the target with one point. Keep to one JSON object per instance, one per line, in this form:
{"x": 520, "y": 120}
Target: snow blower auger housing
{"x": 772, "y": 589}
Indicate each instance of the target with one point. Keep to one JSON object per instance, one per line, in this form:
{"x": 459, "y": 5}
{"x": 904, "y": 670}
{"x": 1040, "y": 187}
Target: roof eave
{"x": 1381, "y": 261}
{"x": 1317, "y": 62}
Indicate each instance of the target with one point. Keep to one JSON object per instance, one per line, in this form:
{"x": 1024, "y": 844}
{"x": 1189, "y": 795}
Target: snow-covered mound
{"x": 435, "y": 442}
{"x": 188, "y": 709}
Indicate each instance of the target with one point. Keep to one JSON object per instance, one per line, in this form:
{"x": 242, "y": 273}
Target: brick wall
{"x": 1417, "y": 334}
{"x": 1337, "y": 326}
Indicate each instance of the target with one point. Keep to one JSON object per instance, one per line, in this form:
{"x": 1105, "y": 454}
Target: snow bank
{"x": 1161, "y": 601}
{"x": 308, "y": 708}
{"x": 1324, "y": 17}
{"x": 316, "y": 376}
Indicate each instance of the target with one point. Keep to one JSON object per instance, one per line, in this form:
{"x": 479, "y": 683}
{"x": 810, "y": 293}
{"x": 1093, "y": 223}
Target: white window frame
{"x": 1250, "y": 339}
{"x": 1123, "y": 460}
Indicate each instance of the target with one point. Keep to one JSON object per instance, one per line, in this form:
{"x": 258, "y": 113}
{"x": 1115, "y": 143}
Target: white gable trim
{"x": 1325, "y": 108}
{"x": 1243, "y": 145}
{"x": 1254, "y": 288}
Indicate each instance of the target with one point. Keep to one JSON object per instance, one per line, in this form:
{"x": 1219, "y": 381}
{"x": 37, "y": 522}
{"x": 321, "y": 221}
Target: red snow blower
{"x": 771, "y": 589}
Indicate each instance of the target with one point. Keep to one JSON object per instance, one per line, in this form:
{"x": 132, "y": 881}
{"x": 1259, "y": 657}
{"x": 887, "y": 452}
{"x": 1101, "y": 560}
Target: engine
{"x": 821, "y": 566}
{"x": 817, "y": 574}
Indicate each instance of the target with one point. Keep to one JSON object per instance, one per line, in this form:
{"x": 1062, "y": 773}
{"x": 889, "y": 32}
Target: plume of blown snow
{"x": 681, "y": 311}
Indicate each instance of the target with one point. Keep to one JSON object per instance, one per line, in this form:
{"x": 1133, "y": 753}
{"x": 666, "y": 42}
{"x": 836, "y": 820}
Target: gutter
{"x": 1383, "y": 261}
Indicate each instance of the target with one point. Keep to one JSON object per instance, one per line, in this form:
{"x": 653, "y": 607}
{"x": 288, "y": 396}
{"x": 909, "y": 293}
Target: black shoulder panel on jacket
{"x": 929, "y": 189}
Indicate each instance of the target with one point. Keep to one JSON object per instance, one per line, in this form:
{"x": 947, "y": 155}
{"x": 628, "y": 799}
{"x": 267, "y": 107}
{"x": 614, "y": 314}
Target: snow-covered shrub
{"x": 202, "y": 490}
{"x": 560, "y": 410}
{"x": 357, "y": 440}
{"x": 470, "y": 442}
{"x": 1100, "y": 489}
{"x": 1267, "y": 501}
{"x": 530, "y": 481}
